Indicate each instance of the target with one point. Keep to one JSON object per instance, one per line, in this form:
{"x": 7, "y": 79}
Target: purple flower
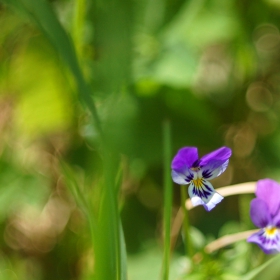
{"x": 265, "y": 214}
{"x": 187, "y": 168}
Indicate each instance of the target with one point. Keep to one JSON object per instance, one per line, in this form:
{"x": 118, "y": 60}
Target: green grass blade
{"x": 167, "y": 199}
{"x": 113, "y": 31}
{"x": 123, "y": 264}
{"x": 78, "y": 25}
{"x": 106, "y": 233}
{"x": 253, "y": 273}
{"x": 109, "y": 251}
{"x": 41, "y": 13}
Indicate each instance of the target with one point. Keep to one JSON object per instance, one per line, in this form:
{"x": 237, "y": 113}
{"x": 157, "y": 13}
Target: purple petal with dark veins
{"x": 214, "y": 169}
{"x": 215, "y": 163}
{"x": 184, "y": 159}
{"x": 269, "y": 191}
{"x": 268, "y": 244}
{"x": 180, "y": 178}
{"x": 259, "y": 213}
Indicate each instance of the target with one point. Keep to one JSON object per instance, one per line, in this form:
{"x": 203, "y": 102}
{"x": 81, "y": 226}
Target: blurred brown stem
{"x": 227, "y": 240}
{"x": 243, "y": 188}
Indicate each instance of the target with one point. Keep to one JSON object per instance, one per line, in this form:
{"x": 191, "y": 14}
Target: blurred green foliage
{"x": 210, "y": 67}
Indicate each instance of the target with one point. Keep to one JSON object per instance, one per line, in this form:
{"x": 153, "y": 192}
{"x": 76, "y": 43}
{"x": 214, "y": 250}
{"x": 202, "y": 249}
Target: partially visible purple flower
{"x": 187, "y": 168}
{"x": 265, "y": 215}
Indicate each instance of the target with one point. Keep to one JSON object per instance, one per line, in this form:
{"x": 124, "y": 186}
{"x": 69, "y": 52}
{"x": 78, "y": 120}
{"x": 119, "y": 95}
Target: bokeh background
{"x": 210, "y": 67}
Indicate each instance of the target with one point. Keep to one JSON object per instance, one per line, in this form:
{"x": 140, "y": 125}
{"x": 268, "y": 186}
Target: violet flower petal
{"x": 204, "y": 195}
{"x": 269, "y": 244}
{"x": 215, "y": 163}
{"x": 276, "y": 220}
{"x": 222, "y": 154}
{"x": 184, "y": 159}
{"x": 213, "y": 169}
{"x": 269, "y": 191}
{"x": 259, "y": 213}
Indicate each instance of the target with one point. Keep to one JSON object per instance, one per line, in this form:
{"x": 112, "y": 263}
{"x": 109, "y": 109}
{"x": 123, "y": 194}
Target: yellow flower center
{"x": 270, "y": 230}
{"x": 198, "y": 182}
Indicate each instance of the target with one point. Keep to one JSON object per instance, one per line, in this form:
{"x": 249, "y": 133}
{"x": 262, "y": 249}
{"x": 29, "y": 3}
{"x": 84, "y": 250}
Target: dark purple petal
{"x": 269, "y": 191}
{"x": 184, "y": 159}
{"x": 269, "y": 244}
{"x": 215, "y": 163}
{"x": 259, "y": 213}
{"x": 220, "y": 155}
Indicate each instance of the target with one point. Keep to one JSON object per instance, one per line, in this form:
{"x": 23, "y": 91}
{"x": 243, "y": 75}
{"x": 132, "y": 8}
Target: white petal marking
{"x": 204, "y": 194}
{"x": 178, "y": 178}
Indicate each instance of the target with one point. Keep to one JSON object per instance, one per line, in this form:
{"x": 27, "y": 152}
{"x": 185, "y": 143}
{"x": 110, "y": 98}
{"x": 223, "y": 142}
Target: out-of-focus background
{"x": 210, "y": 67}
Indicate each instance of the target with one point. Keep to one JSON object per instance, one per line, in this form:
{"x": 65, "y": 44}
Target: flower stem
{"x": 227, "y": 240}
{"x": 168, "y": 195}
{"x": 186, "y": 223}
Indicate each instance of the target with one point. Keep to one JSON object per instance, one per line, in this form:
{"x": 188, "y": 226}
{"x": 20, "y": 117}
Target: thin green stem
{"x": 78, "y": 24}
{"x": 167, "y": 199}
{"x": 115, "y": 219}
{"x": 186, "y": 223}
